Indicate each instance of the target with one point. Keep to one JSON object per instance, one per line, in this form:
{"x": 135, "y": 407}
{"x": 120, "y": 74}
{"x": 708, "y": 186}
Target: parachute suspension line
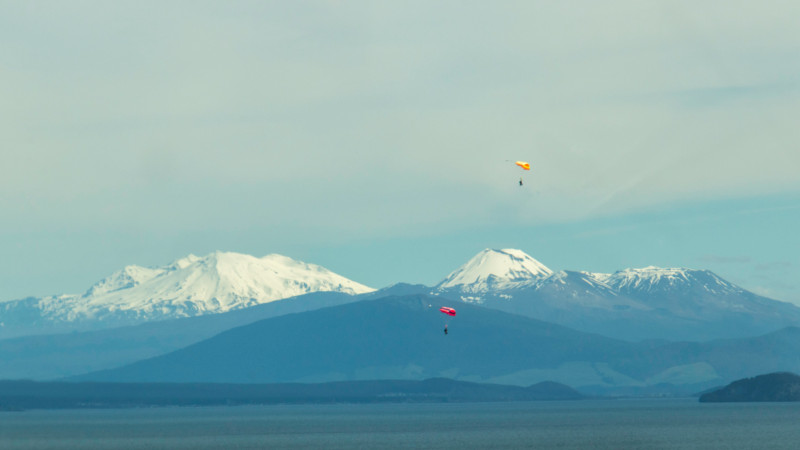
{"x": 450, "y": 312}
{"x": 525, "y": 166}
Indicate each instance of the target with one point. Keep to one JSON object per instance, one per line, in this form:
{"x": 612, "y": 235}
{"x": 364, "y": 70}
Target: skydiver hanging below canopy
{"x": 450, "y": 312}
{"x": 524, "y": 166}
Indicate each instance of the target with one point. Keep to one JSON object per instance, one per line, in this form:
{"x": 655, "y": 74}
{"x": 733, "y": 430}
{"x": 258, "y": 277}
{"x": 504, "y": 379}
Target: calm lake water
{"x": 601, "y": 424}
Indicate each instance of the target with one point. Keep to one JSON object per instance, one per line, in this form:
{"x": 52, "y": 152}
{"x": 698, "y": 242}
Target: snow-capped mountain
{"x": 582, "y": 287}
{"x": 190, "y": 286}
{"x": 495, "y": 269}
{"x": 650, "y": 302}
{"x": 663, "y": 280}
{"x": 693, "y": 293}
{"x": 215, "y": 283}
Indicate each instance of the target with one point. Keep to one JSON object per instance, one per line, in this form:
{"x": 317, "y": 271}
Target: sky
{"x": 377, "y": 139}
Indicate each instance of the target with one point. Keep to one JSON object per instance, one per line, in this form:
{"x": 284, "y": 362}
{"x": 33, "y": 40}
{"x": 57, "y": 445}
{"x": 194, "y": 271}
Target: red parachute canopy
{"x": 448, "y": 311}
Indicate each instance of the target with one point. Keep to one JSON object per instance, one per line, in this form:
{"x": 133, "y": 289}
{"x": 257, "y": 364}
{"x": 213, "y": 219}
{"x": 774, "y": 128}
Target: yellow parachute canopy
{"x": 524, "y": 165}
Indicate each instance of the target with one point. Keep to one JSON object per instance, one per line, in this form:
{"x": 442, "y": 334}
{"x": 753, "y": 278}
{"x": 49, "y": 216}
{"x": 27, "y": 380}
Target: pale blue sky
{"x": 372, "y": 138}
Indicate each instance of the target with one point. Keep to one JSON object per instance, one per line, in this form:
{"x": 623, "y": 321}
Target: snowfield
{"x": 191, "y": 286}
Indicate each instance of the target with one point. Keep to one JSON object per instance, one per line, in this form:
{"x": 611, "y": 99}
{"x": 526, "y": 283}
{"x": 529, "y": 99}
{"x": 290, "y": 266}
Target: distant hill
{"x": 388, "y": 338}
{"x": 51, "y": 356}
{"x": 773, "y": 387}
{"x": 20, "y": 395}
{"x": 732, "y": 359}
{"x": 400, "y": 337}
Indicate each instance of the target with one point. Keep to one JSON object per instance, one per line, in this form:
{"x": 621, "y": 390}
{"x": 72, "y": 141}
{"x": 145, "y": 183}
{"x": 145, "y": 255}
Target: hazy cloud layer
{"x": 117, "y": 112}
{"x": 334, "y": 121}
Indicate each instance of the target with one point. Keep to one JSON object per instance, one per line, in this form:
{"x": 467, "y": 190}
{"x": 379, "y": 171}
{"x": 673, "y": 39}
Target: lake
{"x": 600, "y": 424}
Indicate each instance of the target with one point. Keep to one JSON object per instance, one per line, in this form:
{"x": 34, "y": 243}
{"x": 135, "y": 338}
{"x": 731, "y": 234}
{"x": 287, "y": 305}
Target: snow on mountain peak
{"x": 218, "y": 282}
{"x": 495, "y": 268}
{"x": 186, "y": 261}
{"x": 651, "y": 277}
{"x": 128, "y": 277}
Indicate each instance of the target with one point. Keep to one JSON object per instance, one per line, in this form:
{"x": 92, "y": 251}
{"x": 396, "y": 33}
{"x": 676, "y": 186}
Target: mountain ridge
{"x": 22, "y": 395}
{"x": 189, "y": 286}
{"x": 631, "y": 304}
{"x": 370, "y": 339}
{"x": 401, "y": 338}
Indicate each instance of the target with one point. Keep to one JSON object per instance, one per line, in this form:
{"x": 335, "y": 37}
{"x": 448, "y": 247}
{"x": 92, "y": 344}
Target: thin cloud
{"x": 719, "y": 259}
{"x": 776, "y": 265}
